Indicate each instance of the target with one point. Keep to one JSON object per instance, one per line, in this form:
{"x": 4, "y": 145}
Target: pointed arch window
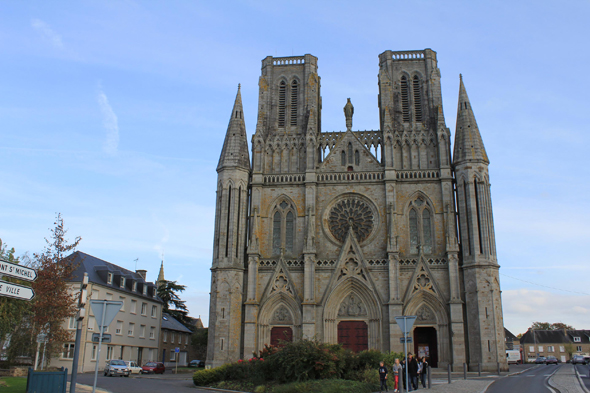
{"x": 283, "y": 229}
{"x": 357, "y": 158}
{"x": 294, "y": 101}
{"x": 343, "y": 158}
{"x": 405, "y": 99}
{"x": 421, "y": 227}
{"x": 417, "y": 98}
{"x": 349, "y": 153}
{"x": 282, "y": 103}
{"x": 228, "y": 221}
{"x": 413, "y": 232}
{"x": 276, "y": 233}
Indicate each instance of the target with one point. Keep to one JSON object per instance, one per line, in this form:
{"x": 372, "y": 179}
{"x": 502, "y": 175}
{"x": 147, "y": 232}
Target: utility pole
{"x": 79, "y": 318}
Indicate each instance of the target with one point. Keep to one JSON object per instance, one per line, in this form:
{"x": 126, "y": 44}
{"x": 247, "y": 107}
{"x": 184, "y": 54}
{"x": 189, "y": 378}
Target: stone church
{"x": 330, "y": 235}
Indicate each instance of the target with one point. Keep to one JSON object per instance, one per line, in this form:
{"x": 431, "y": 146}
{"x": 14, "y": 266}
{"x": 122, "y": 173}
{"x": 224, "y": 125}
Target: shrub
{"x": 327, "y": 386}
{"x": 207, "y": 377}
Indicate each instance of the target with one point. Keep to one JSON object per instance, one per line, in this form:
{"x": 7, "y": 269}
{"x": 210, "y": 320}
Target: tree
{"x": 199, "y": 343}
{"x": 551, "y": 326}
{"x": 168, "y": 292}
{"x": 12, "y": 311}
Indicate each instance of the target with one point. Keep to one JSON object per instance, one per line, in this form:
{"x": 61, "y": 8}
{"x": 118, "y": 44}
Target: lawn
{"x": 13, "y": 384}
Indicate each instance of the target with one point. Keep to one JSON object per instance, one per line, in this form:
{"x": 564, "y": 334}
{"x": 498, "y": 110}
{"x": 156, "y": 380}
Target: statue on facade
{"x": 348, "y": 112}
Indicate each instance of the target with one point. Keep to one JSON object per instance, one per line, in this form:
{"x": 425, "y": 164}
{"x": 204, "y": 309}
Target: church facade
{"x": 331, "y": 235}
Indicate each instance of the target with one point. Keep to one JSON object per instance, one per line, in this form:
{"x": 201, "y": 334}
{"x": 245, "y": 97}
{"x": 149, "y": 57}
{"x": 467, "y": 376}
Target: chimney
{"x": 142, "y": 273}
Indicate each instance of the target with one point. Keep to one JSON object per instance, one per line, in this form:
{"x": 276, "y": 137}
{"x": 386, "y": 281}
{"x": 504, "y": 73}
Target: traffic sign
{"x": 176, "y": 350}
{"x": 406, "y": 323}
{"x": 106, "y": 338}
{"x": 405, "y": 340}
{"x": 111, "y": 309}
{"x": 16, "y": 291}
{"x": 18, "y": 271}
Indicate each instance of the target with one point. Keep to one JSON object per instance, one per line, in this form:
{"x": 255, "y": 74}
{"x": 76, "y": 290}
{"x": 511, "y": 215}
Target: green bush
{"x": 327, "y": 386}
{"x": 207, "y": 377}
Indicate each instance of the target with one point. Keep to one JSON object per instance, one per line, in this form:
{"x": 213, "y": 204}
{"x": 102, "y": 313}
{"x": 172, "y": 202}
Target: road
{"x": 143, "y": 383}
{"x": 584, "y": 372}
{"x": 532, "y": 380}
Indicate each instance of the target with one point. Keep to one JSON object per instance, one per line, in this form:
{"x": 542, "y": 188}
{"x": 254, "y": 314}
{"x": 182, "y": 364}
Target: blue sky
{"x": 114, "y": 113}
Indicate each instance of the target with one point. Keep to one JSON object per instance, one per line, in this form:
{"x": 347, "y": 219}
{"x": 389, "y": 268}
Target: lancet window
{"x": 421, "y": 227}
{"x": 283, "y": 229}
{"x": 405, "y": 99}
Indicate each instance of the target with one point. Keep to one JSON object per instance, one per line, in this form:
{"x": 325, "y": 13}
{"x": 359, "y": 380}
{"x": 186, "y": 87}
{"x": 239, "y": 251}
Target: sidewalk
{"x": 81, "y": 388}
{"x": 566, "y": 380}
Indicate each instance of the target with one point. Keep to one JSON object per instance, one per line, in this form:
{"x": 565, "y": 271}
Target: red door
{"x": 353, "y": 335}
{"x": 280, "y": 334}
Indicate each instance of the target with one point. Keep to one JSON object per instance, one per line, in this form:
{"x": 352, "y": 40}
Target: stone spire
{"x": 161, "y": 274}
{"x": 235, "y": 145}
{"x": 468, "y": 143}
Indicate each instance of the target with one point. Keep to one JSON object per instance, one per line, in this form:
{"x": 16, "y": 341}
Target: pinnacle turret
{"x": 468, "y": 143}
{"x": 161, "y": 278}
{"x": 235, "y": 145}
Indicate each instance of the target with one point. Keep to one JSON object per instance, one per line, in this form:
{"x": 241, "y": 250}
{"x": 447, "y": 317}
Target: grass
{"x": 13, "y": 384}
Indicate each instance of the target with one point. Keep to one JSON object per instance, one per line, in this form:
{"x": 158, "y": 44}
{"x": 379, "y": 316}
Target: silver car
{"x": 116, "y": 367}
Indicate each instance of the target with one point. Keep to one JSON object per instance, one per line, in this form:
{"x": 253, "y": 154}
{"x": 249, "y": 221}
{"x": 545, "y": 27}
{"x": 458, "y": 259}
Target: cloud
{"x": 522, "y": 307}
{"x": 110, "y": 122}
{"x": 47, "y": 33}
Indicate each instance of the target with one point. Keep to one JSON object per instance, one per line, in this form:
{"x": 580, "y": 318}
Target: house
{"x": 174, "y": 335}
{"x": 511, "y": 341}
{"x": 135, "y": 330}
{"x": 562, "y": 344}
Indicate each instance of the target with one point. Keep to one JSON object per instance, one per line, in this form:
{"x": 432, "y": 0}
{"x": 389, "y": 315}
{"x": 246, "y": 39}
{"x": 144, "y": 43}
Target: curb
{"x": 581, "y": 382}
{"x": 522, "y": 371}
{"x": 218, "y": 390}
{"x": 552, "y": 385}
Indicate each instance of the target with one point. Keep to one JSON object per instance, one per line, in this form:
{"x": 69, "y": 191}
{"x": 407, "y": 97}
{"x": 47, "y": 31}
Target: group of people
{"x": 417, "y": 369}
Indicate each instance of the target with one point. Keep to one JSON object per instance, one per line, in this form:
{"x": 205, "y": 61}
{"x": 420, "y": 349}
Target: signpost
{"x": 22, "y": 273}
{"x": 104, "y": 311}
{"x": 177, "y": 352}
{"x": 16, "y": 291}
{"x": 405, "y": 323}
{"x": 106, "y": 338}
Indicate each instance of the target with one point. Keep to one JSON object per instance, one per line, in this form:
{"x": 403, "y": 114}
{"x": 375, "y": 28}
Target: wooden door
{"x": 353, "y": 335}
{"x": 278, "y": 334}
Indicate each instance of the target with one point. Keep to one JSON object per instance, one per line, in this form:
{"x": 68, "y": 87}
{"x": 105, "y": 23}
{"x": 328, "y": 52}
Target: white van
{"x": 513, "y": 356}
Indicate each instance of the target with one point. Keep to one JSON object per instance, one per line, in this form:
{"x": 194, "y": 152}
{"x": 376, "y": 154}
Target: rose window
{"x": 351, "y": 213}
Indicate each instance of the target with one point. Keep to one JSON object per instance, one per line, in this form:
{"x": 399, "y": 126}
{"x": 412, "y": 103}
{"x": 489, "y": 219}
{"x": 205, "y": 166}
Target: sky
{"x": 114, "y": 113}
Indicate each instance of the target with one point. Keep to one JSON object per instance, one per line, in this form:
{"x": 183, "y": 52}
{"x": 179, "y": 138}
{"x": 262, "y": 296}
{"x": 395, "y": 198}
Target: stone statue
{"x": 348, "y": 112}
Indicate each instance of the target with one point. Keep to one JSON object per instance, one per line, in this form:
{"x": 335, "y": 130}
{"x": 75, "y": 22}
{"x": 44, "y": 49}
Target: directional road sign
{"x": 111, "y": 308}
{"x": 106, "y": 338}
{"x": 18, "y": 271}
{"x": 16, "y": 291}
{"x": 401, "y": 339}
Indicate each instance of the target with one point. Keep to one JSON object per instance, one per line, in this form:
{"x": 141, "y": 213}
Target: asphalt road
{"x": 584, "y": 372}
{"x": 532, "y": 380}
{"x": 143, "y": 383}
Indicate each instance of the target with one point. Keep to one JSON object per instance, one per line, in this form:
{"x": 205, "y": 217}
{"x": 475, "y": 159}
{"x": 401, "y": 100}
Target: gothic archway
{"x": 279, "y": 311}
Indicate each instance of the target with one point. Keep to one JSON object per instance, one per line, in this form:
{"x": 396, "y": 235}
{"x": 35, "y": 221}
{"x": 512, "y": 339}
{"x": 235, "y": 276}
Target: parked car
{"x": 133, "y": 367}
{"x": 116, "y": 367}
{"x": 551, "y": 360}
{"x": 578, "y": 359}
{"x": 153, "y": 368}
{"x": 540, "y": 360}
{"x": 197, "y": 363}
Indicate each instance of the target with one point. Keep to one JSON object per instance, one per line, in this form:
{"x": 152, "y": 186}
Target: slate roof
{"x": 98, "y": 270}
{"x": 508, "y": 335}
{"x": 554, "y": 336}
{"x": 170, "y": 323}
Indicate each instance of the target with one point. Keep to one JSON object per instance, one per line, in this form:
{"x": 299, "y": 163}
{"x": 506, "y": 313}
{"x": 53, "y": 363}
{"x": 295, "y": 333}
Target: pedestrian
{"x": 413, "y": 373}
{"x": 404, "y": 379}
{"x": 383, "y": 377}
{"x": 397, "y": 368}
{"x": 424, "y": 369}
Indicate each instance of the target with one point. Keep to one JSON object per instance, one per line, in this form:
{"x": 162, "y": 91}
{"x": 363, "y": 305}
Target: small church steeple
{"x": 235, "y": 145}
{"x": 468, "y": 143}
{"x": 161, "y": 278}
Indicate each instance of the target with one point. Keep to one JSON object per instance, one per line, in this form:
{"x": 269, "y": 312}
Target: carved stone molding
{"x": 352, "y": 306}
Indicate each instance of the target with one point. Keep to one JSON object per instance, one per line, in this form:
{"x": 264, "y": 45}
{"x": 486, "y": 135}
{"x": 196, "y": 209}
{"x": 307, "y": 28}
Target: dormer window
{"x": 109, "y": 278}
{"x": 577, "y": 339}
{"x": 154, "y": 292}
{"x": 145, "y": 290}
{"x": 134, "y": 286}
{"x": 122, "y": 282}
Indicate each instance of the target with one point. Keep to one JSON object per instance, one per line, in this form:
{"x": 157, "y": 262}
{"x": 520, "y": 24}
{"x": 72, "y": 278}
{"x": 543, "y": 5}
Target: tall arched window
{"x": 417, "y": 98}
{"x": 282, "y": 103}
{"x": 276, "y": 234}
{"x": 238, "y": 226}
{"x": 413, "y": 232}
{"x": 228, "y": 221}
{"x": 289, "y": 234}
{"x": 349, "y": 153}
{"x": 294, "y": 98}
{"x": 427, "y": 231}
{"x": 343, "y": 157}
{"x": 357, "y": 158}
{"x": 405, "y": 99}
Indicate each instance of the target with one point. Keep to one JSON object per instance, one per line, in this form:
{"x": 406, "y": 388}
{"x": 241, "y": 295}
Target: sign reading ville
{"x": 16, "y": 291}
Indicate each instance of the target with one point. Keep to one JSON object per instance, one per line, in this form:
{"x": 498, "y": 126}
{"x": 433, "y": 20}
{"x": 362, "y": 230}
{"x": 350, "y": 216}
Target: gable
{"x": 357, "y": 156}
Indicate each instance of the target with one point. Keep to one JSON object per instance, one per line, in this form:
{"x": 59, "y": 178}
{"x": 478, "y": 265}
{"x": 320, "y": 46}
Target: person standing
{"x": 383, "y": 377}
{"x": 397, "y": 369}
{"x": 404, "y": 379}
{"x": 424, "y": 370}
{"x": 413, "y": 373}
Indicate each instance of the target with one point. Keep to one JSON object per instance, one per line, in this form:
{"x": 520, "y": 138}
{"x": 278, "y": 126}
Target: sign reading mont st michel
{"x": 17, "y": 271}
